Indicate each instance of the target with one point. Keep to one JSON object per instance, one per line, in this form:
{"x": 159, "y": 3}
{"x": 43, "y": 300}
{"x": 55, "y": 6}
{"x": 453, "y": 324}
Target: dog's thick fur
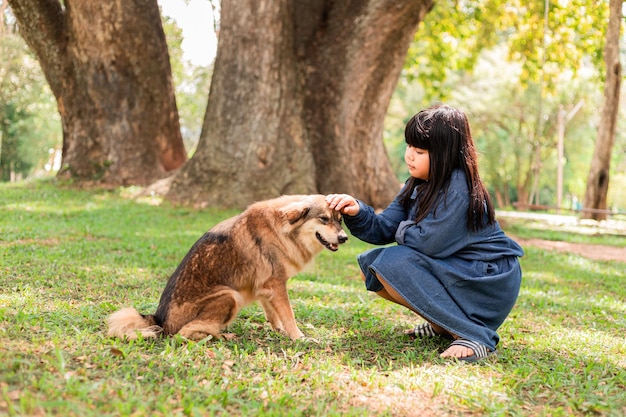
{"x": 245, "y": 258}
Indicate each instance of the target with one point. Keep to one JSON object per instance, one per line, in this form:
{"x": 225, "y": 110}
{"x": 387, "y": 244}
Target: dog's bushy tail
{"x": 128, "y": 324}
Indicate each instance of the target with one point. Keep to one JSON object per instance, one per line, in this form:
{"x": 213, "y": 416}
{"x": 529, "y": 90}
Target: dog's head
{"x": 312, "y": 219}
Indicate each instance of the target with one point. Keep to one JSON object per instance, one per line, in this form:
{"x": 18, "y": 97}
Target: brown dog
{"x": 245, "y": 258}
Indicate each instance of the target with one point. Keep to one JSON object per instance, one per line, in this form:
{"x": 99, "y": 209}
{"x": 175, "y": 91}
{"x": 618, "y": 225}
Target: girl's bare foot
{"x": 466, "y": 350}
{"x": 456, "y": 351}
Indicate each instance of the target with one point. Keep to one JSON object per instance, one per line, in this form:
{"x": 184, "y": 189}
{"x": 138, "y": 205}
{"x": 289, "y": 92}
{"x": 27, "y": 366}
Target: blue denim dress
{"x": 464, "y": 281}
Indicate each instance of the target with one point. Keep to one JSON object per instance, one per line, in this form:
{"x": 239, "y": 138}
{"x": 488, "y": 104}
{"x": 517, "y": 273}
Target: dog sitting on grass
{"x": 243, "y": 259}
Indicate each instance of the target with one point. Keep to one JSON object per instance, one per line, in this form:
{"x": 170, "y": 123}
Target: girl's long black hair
{"x": 444, "y": 132}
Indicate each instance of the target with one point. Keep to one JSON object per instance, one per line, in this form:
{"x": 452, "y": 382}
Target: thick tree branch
{"x": 42, "y": 24}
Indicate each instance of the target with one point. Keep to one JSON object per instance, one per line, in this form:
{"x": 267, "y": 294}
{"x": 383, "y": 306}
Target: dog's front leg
{"x": 271, "y": 315}
{"x": 278, "y": 311}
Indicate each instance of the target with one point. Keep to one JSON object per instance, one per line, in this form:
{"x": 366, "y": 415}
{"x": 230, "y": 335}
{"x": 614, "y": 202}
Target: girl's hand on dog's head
{"x": 343, "y": 203}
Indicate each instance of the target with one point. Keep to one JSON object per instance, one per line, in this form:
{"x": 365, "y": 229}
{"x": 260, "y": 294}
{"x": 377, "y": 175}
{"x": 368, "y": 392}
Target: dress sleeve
{"x": 378, "y": 229}
{"x": 442, "y": 232}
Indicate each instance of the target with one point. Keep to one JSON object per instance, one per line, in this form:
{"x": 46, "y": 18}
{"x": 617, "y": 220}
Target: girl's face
{"x": 418, "y": 162}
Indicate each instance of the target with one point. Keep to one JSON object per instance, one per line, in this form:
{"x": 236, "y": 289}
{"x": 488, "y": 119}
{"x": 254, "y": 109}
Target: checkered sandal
{"x": 425, "y": 330}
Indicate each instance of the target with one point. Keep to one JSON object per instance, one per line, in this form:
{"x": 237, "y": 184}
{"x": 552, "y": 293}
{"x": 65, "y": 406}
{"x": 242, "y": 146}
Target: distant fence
{"x": 543, "y": 207}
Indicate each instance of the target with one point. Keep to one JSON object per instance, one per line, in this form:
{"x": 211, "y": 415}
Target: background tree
{"x": 298, "y": 99}
{"x": 598, "y": 180}
{"x": 510, "y": 64}
{"x": 108, "y": 67}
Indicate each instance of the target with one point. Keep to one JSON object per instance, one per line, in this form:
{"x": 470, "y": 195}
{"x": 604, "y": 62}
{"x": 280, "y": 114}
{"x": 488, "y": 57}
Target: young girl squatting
{"x": 452, "y": 265}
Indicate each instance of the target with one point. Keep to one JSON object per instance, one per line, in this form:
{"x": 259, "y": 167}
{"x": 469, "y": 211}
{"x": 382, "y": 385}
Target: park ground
{"x": 571, "y": 224}
{"x": 69, "y": 258}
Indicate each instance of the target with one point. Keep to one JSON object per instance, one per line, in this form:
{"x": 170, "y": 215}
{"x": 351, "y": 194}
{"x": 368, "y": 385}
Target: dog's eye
{"x": 324, "y": 219}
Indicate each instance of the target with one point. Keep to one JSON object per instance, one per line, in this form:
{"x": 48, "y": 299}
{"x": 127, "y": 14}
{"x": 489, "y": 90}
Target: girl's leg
{"x": 389, "y": 293}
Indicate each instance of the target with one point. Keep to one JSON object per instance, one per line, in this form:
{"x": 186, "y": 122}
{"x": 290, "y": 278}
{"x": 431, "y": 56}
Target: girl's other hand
{"x": 343, "y": 203}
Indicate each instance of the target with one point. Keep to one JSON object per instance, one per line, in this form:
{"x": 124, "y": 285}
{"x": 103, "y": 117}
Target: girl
{"x": 453, "y": 265}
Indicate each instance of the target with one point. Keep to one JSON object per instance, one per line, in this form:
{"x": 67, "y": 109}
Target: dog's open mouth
{"x": 327, "y": 244}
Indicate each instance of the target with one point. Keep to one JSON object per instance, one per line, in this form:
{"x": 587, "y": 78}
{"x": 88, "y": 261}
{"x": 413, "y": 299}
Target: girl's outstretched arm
{"x": 343, "y": 203}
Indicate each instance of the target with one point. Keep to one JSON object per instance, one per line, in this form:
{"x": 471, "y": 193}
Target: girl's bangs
{"x": 416, "y": 133}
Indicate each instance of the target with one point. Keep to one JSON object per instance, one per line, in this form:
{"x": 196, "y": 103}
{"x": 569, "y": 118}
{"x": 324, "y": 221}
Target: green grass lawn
{"x": 70, "y": 258}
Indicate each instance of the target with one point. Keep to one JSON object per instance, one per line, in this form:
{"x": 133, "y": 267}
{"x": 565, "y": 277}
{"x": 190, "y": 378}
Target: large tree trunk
{"x": 108, "y": 67}
{"x": 298, "y": 99}
{"x": 595, "y": 201}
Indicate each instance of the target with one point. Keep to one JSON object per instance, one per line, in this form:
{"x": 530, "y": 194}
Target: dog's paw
{"x": 309, "y": 340}
{"x": 197, "y": 336}
{"x": 297, "y": 335}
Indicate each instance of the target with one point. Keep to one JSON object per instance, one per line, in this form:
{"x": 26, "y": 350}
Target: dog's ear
{"x": 296, "y": 211}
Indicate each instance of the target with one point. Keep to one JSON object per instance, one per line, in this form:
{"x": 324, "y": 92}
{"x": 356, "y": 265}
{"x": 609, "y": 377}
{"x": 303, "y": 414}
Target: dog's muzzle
{"x": 332, "y": 246}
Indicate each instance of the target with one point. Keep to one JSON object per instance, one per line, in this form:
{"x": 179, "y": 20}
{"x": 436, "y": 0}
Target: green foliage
{"x": 455, "y": 32}
{"x": 508, "y": 129}
{"x": 507, "y": 126}
{"x": 192, "y": 94}
{"x": 405, "y": 102}
{"x": 192, "y": 83}
{"x": 29, "y": 123}
{"x": 69, "y": 258}
{"x": 449, "y": 40}
{"x": 512, "y": 71}
{"x": 10, "y": 158}
{"x": 575, "y": 32}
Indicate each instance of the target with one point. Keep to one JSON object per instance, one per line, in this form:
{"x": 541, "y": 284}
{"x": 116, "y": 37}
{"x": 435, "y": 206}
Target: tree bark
{"x": 595, "y": 201}
{"x": 298, "y": 99}
{"x": 108, "y": 67}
